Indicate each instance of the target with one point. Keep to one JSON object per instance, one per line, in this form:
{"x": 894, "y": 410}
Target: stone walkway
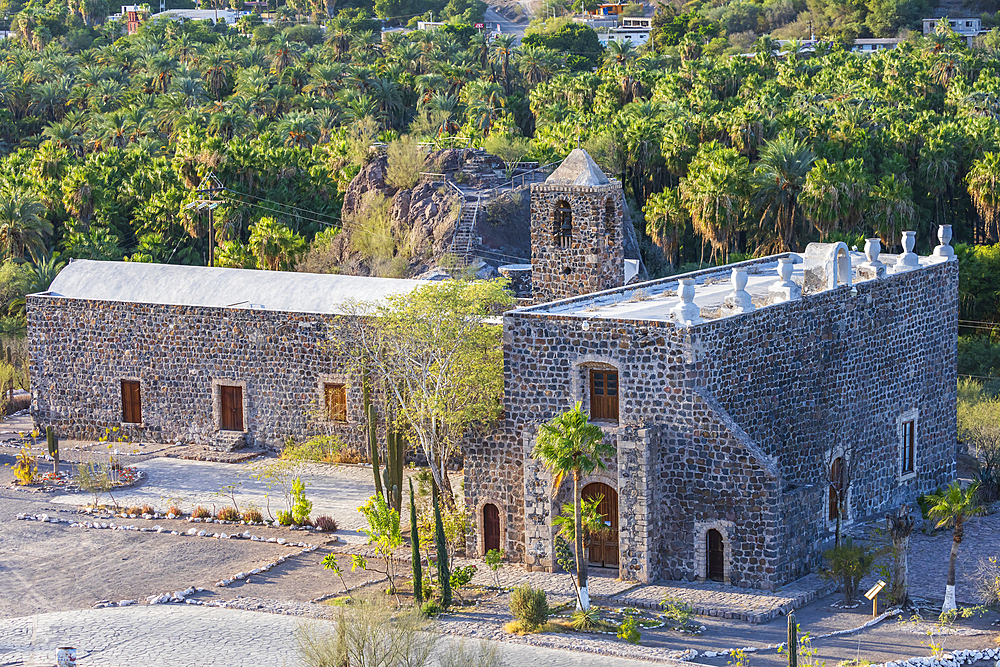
{"x": 187, "y": 636}
{"x": 709, "y": 599}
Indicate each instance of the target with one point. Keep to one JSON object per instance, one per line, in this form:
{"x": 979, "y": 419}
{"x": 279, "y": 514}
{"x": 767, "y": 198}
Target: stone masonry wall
{"x": 80, "y": 351}
{"x": 743, "y": 415}
{"x": 594, "y": 261}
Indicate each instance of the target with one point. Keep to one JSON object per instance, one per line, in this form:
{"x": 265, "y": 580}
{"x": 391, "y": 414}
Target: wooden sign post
{"x": 872, "y": 595}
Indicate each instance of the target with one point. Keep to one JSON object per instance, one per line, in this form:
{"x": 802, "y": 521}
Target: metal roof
{"x": 171, "y": 284}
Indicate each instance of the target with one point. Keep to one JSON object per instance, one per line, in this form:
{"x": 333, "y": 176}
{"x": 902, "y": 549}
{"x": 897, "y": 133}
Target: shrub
{"x": 148, "y": 509}
{"x": 985, "y": 445}
{"x": 848, "y": 565}
{"x": 987, "y": 579}
{"x": 301, "y": 508}
{"x": 134, "y": 510}
{"x": 678, "y": 611}
{"x": 200, "y": 513}
{"x": 629, "y": 629}
{"x": 228, "y": 514}
{"x": 25, "y": 467}
{"x": 326, "y": 523}
{"x": 586, "y": 620}
{"x": 175, "y": 510}
{"x": 529, "y": 605}
{"x": 405, "y": 161}
{"x": 321, "y": 449}
{"x": 978, "y": 407}
{"x": 253, "y": 516}
{"x": 430, "y": 608}
{"x": 483, "y": 654}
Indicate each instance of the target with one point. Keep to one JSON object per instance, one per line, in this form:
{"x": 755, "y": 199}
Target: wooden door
{"x": 232, "y": 408}
{"x": 491, "y": 528}
{"x": 716, "y": 556}
{"x": 131, "y": 402}
{"x": 604, "y": 546}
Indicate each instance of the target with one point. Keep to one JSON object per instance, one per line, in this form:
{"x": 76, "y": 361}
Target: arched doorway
{"x": 716, "y": 556}
{"x": 604, "y": 546}
{"x": 491, "y": 528}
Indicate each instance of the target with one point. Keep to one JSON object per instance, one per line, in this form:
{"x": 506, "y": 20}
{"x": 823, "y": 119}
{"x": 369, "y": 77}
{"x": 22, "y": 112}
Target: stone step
{"x": 228, "y": 441}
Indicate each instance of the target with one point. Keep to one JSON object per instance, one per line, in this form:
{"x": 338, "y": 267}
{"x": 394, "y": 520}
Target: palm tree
{"x": 665, "y": 221}
{"x": 537, "y": 63}
{"x": 216, "y": 72}
{"x": 983, "y": 181}
{"x": 301, "y": 129}
{"x": 502, "y": 50}
{"x": 714, "y": 191}
{"x": 570, "y": 445}
{"x": 891, "y": 206}
{"x": 779, "y": 177}
{"x": 275, "y": 245}
{"x": 22, "y": 226}
{"x": 951, "y": 508}
{"x": 835, "y": 195}
{"x": 619, "y": 52}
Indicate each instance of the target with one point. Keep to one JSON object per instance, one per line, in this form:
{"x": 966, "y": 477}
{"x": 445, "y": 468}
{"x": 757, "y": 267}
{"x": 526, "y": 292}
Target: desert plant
{"x": 404, "y": 161}
{"x": 418, "y": 586}
{"x": 494, "y": 560}
{"x": 330, "y": 563}
{"x": 586, "y": 620}
{"x": 134, "y": 510}
{"x": 301, "y": 507}
{"x": 384, "y": 532}
{"x": 441, "y": 547}
{"x": 481, "y": 654}
{"x": 175, "y": 510}
{"x": 25, "y": 467}
{"x": 93, "y": 478}
{"x": 320, "y": 449}
{"x": 228, "y": 514}
{"x": 529, "y": 605}
{"x": 253, "y": 515}
{"x": 793, "y": 641}
{"x": 677, "y": 611}
{"x": 201, "y": 513}
{"x": 53, "y": 442}
{"x": 430, "y": 608}
{"x": 285, "y": 518}
{"x": 629, "y": 629}
{"x": 148, "y": 509}
{"x": 848, "y": 564}
{"x": 987, "y": 580}
{"x": 326, "y": 523}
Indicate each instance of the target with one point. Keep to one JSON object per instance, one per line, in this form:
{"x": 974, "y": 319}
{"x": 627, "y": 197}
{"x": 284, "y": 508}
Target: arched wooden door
{"x": 604, "y": 547}
{"x": 716, "y": 556}
{"x": 491, "y": 528}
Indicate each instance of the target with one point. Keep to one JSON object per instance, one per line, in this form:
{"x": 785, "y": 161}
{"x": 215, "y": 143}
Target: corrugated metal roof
{"x": 171, "y": 284}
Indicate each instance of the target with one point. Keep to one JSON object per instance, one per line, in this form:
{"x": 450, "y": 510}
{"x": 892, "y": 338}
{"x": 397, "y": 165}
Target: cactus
{"x": 418, "y": 579}
{"x": 441, "y": 547}
{"x": 793, "y": 641}
{"x": 53, "y": 441}
{"x": 369, "y": 411}
{"x": 393, "y": 475}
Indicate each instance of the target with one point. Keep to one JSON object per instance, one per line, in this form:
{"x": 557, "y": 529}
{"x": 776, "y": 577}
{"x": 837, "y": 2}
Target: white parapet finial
{"x": 873, "y": 268}
{"x": 944, "y": 239}
{"x": 785, "y": 289}
{"x": 686, "y": 312}
{"x": 908, "y": 260}
{"x": 738, "y": 301}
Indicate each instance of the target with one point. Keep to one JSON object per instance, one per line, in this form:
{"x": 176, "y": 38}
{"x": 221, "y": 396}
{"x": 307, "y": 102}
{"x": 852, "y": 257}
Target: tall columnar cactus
{"x": 393, "y": 475}
{"x": 793, "y": 641}
{"x": 53, "y": 441}
{"x": 370, "y": 416}
{"x": 441, "y": 547}
{"x": 418, "y": 575}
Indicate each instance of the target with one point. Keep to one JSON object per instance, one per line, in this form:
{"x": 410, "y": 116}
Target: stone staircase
{"x": 228, "y": 441}
{"x": 461, "y": 242}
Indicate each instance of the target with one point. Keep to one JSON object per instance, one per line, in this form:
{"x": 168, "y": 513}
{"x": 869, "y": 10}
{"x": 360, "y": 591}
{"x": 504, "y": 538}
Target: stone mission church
{"x": 748, "y": 404}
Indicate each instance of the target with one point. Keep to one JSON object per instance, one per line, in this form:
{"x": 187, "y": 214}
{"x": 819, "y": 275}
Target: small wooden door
{"x": 491, "y": 528}
{"x": 131, "y": 402}
{"x": 604, "y": 546}
{"x": 716, "y": 556}
{"x": 232, "y": 408}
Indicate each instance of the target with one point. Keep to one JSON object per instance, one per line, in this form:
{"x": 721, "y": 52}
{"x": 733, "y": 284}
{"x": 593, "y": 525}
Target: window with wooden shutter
{"x": 336, "y": 402}
{"x": 131, "y": 402}
{"x": 604, "y": 395}
{"x": 909, "y": 446}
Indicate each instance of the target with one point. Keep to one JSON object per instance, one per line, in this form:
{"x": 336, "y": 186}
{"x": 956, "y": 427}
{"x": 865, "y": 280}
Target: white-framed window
{"x": 907, "y": 442}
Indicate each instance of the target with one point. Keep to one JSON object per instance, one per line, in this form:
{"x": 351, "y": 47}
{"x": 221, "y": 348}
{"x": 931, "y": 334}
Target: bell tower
{"x": 576, "y": 231}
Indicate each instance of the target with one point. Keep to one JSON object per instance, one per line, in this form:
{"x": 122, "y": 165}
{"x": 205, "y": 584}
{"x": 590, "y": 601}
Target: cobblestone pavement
{"x": 601, "y": 582}
{"x": 187, "y": 636}
{"x": 710, "y": 599}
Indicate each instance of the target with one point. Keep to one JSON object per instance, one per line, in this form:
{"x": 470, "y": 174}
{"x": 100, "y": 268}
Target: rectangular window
{"x": 909, "y": 445}
{"x": 131, "y": 402}
{"x": 604, "y": 395}
{"x": 336, "y": 402}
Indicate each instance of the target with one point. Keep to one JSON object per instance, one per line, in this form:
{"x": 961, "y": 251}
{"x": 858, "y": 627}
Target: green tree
{"x": 384, "y": 532}
{"x": 983, "y": 183}
{"x": 666, "y": 219}
{"x": 715, "y": 193}
{"x": 778, "y": 179}
{"x": 418, "y": 580}
{"x": 22, "y": 226}
{"x": 570, "y": 445}
{"x": 951, "y": 508}
{"x": 275, "y": 246}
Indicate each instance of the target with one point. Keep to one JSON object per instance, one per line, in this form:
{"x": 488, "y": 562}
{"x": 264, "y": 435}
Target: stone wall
{"x": 80, "y": 350}
{"x": 741, "y": 417}
{"x": 594, "y": 260}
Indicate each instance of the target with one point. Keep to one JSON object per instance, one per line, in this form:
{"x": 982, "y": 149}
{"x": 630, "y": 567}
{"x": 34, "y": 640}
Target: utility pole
{"x": 210, "y": 185}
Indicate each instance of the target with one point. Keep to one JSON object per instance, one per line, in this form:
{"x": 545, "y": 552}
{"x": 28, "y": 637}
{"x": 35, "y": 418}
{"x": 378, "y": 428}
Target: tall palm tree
{"x": 714, "y": 191}
{"x": 950, "y": 509}
{"x": 891, "y": 206}
{"x": 570, "y": 445}
{"x": 619, "y": 52}
{"x": 300, "y": 129}
{"x": 216, "y": 67}
{"x": 501, "y": 52}
{"x": 982, "y": 182}
{"x": 22, "y": 226}
{"x": 835, "y": 194}
{"x": 665, "y": 221}
{"x": 779, "y": 177}
{"x": 275, "y": 245}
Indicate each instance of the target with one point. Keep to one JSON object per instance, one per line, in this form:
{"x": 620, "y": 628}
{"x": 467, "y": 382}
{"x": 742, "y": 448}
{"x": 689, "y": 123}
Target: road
{"x": 192, "y": 636}
{"x": 493, "y": 19}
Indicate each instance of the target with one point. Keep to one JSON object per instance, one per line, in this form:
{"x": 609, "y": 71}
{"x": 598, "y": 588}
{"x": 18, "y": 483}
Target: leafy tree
{"x": 570, "y": 445}
{"x": 715, "y": 192}
{"x": 779, "y": 178}
{"x": 22, "y": 226}
{"x": 275, "y": 246}
{"x": 384, "y": 532}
